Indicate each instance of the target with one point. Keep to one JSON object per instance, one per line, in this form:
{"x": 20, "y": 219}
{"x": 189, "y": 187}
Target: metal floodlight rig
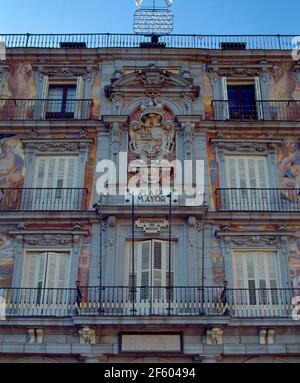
{"x": 153, "y": 21}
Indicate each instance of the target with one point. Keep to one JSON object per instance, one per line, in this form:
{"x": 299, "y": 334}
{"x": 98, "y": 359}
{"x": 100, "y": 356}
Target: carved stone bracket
{"x": 87, "y": 335}
{"x": 214, "y": 336}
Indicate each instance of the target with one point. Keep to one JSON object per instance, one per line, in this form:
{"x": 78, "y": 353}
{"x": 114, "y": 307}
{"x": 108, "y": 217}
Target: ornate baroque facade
{"x": 73, "y": 288}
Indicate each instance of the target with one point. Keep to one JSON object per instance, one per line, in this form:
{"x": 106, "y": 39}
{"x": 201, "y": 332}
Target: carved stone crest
{"x": 152, "y": 136}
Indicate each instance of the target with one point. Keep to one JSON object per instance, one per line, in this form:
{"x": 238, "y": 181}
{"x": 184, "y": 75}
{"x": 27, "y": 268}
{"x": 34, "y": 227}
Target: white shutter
{"x": 259, "y": 104}
{"x": 79, "y": 109}
{"x": 34, "y": 270}
{"x": 224, "y": 92}
{"x": 42, "y": 105}
{"x": 57, "y": 270}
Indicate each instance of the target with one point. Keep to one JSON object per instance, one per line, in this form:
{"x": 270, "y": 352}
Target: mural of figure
{"x": 289, "y": 171}
{"x": 6, "y": 260}
{"x": 11, "y": 164}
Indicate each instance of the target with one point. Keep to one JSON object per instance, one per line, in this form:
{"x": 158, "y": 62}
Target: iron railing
{"x": 258, "y": 200}
{"x": 269, "y": 110}
{"x": 149, "y": 301}
{"x": 108, "y": 40}
{"x": 43, "y": 199}
{"x": 41, "y": 109}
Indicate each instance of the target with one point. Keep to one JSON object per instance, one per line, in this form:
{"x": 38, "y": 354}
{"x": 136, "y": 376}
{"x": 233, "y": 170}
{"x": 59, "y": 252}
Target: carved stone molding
{"x": 49, "y": 240}
{"x": 152, "y": 81}
{"x": 244, "y": 146}
{"x": 251, "y": 241}
{"x": 67, "y": 71}
{"x": 57, "y": 146}
{"x": 239, "y": 69}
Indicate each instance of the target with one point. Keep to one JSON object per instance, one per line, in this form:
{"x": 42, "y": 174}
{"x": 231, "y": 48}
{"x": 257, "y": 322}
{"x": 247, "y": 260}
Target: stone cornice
{"x": 189, "y": 118}
{"x": 115, "y": 118}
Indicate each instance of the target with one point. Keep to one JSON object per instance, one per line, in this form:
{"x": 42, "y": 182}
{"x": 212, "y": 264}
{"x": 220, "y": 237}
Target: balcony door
{"x": 257, "y": 279}
{"x": 151, "y": 275}
{"x": 45, "y": 282}
{"x": 247, "y": 182}
{"x": 61, "y": 102}
{"x": 242, "y": 100}
{"x": 54, "y": 185}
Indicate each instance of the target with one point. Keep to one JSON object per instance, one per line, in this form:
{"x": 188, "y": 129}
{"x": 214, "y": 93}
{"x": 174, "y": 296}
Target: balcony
{"x": 114, "y": 40}
{"x": 149, "y": 301}
{"x": 29, "y": 200}
{"x": 283, "y": 110}
{"x": 45, "y": 109}
{"x": 258, "y": 200}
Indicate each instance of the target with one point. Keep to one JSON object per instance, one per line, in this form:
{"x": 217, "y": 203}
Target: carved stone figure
{"x": 87, "y": 336}
{"x": 215, "y": 336}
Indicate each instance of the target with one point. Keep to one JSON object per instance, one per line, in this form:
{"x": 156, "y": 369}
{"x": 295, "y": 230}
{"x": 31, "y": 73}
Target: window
{"x": 45, "y": 282}
{"x": 248, "y": 182}
{"x": 55, "y": 180}
{"x": 61, "y": 101}
{"x": 151, "y": 274}
{"x": 257, "y": 273}
{"x": 46, "y": 270}
{"x": 242, "y": 99}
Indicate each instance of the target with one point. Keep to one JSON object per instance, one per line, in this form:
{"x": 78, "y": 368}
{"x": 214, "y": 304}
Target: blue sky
{"x": 115, "y": 16}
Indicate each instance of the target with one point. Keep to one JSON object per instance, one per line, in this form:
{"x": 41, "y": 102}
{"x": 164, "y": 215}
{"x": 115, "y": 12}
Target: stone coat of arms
{"x": 152, "y": 135}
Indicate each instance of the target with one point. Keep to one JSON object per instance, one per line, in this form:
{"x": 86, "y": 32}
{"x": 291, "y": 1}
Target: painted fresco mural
{"x": 208, "y": 97}
{"x": 6, "y": 260}
{"x": 95, "y": 96}
{"x": 21, "y": 85}
{"x": 84, "y": 263}
{"x": 12, "y": 163}
{"x": 216, "y": 258}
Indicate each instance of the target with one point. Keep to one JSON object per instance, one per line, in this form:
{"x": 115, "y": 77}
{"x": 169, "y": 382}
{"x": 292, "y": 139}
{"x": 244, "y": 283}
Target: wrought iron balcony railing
{"x": 280, "y": 110}
{"x": 45, "y": 109}
{"x": 108, "y": 40}
{"x": 148, "y": 301}
{"x": 258, "y": 200}
{"x": 43, "y": 199}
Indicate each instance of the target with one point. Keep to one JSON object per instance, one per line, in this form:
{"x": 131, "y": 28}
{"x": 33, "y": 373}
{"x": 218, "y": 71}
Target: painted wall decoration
{"x": 289, "y": 169}
{"x": 217, "y": 259}
{"x": 294, "y": 258}
{"x": 21, "y": 85}
{"x": 95, "y": 96}
{"x": 208, "y": 97}
{"x": 84, "y": 263}
{"x": 12, "y": 165}
{"x": 6, "y": 260}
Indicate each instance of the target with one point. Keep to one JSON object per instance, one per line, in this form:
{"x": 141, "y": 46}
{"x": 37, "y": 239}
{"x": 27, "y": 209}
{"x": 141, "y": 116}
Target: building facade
{"x": 209, "y": 281}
